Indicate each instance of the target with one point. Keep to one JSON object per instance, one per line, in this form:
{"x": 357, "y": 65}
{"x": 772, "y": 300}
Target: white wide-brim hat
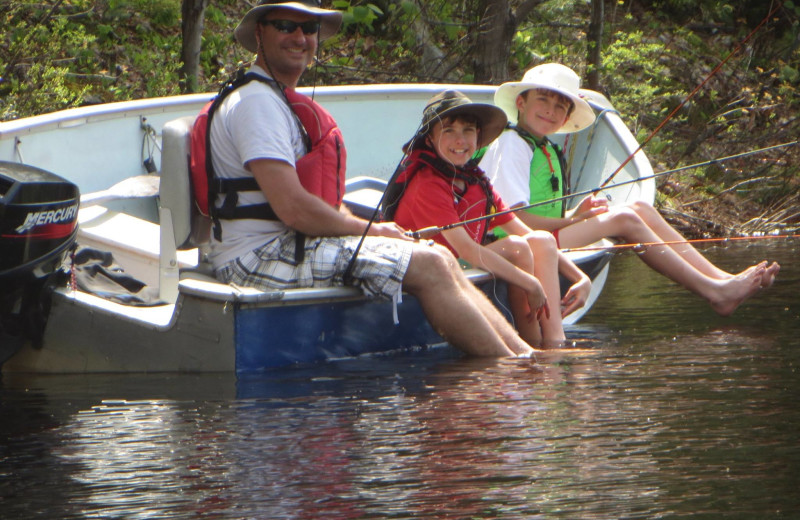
{"x": 245, "y": 34}
{"x": 550, "y": 76}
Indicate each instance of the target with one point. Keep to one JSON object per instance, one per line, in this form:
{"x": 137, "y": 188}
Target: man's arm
{"x": 307, "y": 213}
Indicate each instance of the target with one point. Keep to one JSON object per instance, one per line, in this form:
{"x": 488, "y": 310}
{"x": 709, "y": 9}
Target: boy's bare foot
{"x": 770, "y": 274}
{"x": 739, "y": 288}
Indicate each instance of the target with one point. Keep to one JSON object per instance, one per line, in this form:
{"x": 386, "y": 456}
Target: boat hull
{"x": 222, "y": 335}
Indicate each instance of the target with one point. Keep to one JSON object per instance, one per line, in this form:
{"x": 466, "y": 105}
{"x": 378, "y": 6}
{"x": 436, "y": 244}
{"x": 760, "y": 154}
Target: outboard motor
{"x": 38, "y": 226}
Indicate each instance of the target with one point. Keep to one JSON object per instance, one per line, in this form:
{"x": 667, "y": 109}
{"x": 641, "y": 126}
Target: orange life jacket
{"x": 321, "y": 170}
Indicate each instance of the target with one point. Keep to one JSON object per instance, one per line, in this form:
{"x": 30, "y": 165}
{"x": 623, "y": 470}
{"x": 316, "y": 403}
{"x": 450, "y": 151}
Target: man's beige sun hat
{"x": 329, "y": 20}
{"x": 551, "y": 76}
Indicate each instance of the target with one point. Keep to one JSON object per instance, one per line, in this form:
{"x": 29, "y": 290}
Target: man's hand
{"x": 388, "y": 229}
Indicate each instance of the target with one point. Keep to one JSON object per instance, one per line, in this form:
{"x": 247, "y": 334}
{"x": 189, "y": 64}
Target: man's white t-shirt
{"x": 253, "y": 122}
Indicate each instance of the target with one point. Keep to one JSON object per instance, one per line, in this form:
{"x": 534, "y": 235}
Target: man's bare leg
{"x": 457, "y": 310}
{"x": 501, "y": 326}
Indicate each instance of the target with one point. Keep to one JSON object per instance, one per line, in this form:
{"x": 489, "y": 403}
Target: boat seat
{"x": 182, "y": 225}
{"x": 363, "y": 194}
{"x": 188, "y": 227}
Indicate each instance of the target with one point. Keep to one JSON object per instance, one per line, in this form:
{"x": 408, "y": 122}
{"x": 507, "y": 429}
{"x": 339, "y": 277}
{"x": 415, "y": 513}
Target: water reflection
{"x": 692, "y": 415}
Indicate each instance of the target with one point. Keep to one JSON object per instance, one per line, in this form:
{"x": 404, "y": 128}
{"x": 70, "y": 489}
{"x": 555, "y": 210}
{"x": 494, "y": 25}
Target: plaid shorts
{"x": 378, "y": 270}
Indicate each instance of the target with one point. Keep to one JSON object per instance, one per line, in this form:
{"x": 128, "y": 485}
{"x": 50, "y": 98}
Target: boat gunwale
{"x": 120, "y": 109}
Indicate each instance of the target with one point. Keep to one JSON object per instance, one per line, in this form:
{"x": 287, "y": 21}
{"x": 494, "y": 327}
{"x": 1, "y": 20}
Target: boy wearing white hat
{"x": 525, "y": 168}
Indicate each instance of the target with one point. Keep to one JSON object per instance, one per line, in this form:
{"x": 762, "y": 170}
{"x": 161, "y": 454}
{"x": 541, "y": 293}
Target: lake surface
{"x": 662, "y": 410}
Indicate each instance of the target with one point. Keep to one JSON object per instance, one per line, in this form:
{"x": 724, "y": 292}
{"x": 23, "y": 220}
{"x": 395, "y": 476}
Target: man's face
{"x": 287, "y": 53}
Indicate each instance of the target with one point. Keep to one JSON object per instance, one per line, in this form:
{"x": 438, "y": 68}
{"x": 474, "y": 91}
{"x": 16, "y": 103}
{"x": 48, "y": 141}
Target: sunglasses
{"x": 288, "y": 26}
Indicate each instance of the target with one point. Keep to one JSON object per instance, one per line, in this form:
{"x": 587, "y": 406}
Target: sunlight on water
{"x": 662, "y": 411}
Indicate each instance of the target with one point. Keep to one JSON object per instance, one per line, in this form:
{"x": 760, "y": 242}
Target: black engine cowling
{"x": 38, "y": 226}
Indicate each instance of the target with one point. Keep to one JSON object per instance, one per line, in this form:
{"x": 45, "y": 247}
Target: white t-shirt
{"x": 253, "y": 122}
{"x": 507, "y": 163}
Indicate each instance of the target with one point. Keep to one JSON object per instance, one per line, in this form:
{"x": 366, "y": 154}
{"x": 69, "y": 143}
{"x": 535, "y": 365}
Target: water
{"x": 663, "y": 411}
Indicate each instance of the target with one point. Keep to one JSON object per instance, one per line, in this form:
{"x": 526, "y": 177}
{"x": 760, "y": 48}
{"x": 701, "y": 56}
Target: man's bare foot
{"x": 739, "y": 288}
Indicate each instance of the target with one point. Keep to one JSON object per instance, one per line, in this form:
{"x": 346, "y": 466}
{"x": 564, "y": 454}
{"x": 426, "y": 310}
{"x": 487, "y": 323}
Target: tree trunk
{"x": 193, "y": 13}
{"x": 432, "y": 59}
{"x": 493, "y": 41}
{"x": 498, "y": 24}
{"x": 595, "y": 40}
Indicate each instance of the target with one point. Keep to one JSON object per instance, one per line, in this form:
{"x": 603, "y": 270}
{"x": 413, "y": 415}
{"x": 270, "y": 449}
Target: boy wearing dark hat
{"x": 307, "y": 241}
{"x": 441, "y": 186}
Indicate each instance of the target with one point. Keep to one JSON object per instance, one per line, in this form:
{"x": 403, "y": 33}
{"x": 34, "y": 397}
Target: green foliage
{"x": 523, "y": 51}
{"x": 61, "y": 54}
{"x": 361, "y": 16}
{"x": 703, "y": 11}
{"x": 36, "y": 66}
{"x": 56, "y": 54}
{"x": 653, "y": 93}
{"x": 556, "y": 32}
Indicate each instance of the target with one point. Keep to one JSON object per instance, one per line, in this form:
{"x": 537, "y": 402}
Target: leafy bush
{"x": 69, "y": 53}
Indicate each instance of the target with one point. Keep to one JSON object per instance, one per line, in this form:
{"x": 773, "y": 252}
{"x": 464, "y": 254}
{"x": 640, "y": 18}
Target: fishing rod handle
{"x": 424, "y": 233}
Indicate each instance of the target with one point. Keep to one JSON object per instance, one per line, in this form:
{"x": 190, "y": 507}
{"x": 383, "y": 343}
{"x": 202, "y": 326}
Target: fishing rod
{"x": 642, "y": 246}
{"x": 692, "y": 94}
{"x": 428, "y": 232}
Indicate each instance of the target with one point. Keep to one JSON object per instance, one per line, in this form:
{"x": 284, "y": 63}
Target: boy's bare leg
{"x": 528, "y": 329}
{"x": 724, "y": 294}
{"x": 545, "y": 258}
{"x": 457, "y": 310}
{"x": 653, "y": 219}
{"x": 516, "y": 250}
{"x": 641, "y": 223}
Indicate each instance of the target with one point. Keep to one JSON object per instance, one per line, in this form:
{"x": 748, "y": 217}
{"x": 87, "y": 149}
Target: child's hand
{"x": 537, "y": 301}
{"x": 589, "y": 207}
{"x": 576, "y": 297}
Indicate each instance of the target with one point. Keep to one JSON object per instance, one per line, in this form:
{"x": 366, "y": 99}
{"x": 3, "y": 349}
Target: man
{"x": 255, "y": 134}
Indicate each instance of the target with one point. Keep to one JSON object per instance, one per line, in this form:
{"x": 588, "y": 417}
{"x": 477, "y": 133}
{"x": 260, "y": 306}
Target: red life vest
{"x": 321, "y": 170}
{"x": 477, "y": 188}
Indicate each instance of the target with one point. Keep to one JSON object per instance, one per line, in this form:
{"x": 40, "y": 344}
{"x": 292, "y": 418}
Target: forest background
{"x": 647, "y": 56}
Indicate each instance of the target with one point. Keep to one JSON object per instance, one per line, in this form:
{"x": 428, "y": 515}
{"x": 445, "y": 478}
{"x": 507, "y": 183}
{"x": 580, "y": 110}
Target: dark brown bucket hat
{"x": 451, "y": 103}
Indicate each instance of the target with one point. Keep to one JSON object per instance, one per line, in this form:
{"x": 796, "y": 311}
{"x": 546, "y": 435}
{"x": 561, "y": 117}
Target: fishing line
{"x": 348, "y": 272}
{"x": 430, "y": 231}
{"x": 692, "y": 94}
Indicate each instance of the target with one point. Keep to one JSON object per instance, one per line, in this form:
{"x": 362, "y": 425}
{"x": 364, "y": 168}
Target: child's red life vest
{"x": 425, "y": 157}
{"x": 321, "y": 170}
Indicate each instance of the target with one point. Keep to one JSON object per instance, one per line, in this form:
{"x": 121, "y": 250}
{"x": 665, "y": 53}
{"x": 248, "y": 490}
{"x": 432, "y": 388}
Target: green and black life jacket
{"x": 546, "y": 175}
